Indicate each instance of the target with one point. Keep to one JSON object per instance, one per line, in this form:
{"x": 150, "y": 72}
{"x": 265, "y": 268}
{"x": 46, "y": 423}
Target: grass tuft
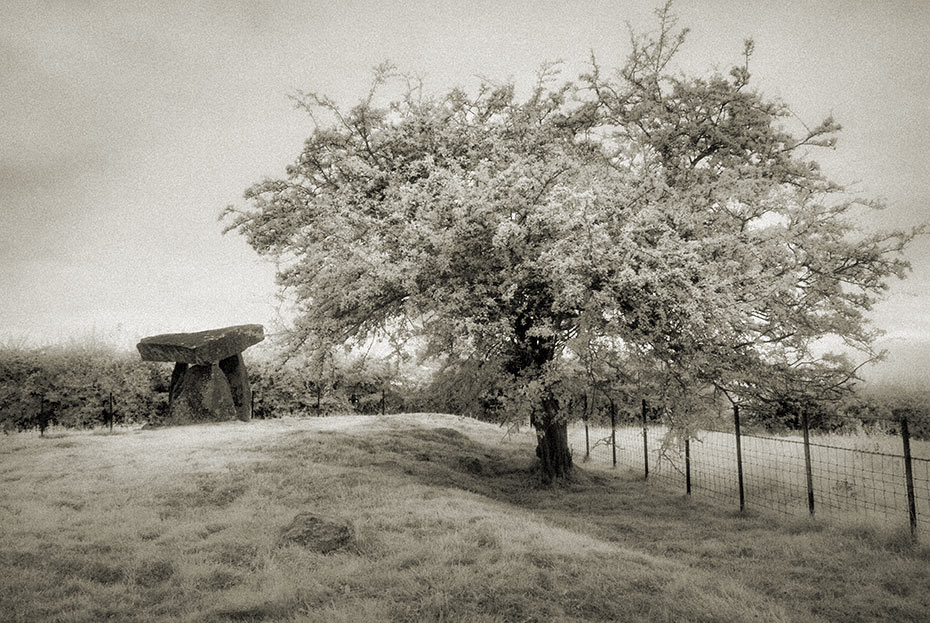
{"x": 151, "y": 573}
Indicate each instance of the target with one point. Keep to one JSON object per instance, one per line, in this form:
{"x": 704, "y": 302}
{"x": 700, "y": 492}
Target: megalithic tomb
{"x": 209, "y": 382}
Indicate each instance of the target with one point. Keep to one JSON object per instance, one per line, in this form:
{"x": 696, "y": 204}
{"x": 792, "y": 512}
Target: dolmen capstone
{"x": 209, "y": 382}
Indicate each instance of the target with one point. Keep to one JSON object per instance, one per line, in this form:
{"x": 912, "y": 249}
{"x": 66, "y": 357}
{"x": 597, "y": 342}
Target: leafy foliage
{"x": 72, "y": 386}
{"x": 327, "y": 384}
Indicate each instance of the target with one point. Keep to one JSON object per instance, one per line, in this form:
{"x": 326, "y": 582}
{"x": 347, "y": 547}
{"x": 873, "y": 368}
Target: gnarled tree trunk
{"x": 529, "y": 355}
{"x": 555, "y": 457}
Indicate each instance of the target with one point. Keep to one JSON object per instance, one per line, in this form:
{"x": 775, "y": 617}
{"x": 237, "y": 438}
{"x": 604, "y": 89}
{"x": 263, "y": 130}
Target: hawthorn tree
{"x": 751, "y": 253}
{"x": 626, "y": 224}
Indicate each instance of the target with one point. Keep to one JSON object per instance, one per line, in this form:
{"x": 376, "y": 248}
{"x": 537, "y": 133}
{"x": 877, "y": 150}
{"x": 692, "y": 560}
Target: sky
{"x": 127, "y": 127}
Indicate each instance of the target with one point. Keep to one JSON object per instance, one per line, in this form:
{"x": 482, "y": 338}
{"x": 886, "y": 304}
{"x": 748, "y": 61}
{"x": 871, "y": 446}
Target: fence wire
{"x": 853, "y": 478}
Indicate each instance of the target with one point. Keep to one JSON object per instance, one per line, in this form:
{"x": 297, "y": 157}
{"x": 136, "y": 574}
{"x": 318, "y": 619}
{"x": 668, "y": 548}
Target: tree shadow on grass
{"x": 607, "y": 505}
{"x": 773, "y": 555}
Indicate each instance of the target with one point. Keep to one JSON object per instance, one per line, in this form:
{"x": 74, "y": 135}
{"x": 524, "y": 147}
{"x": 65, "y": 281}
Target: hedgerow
{"x": 78, "y": 386}
{"x": 88, "y": 385}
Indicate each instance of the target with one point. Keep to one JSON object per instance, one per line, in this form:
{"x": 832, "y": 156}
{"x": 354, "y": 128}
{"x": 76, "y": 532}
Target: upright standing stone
{"x": 234, "y": 369}
{"x": 209, "y": 381}
{"x": 203, "y": 394}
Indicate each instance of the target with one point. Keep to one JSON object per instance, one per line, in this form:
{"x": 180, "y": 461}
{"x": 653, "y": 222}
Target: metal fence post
{"x": 909, "y": 476}
{"x": 739, "y": 458}
{"x": 688, "y": 465}
{"x": 807, "y": 462}
{"x": 645, "y": 443}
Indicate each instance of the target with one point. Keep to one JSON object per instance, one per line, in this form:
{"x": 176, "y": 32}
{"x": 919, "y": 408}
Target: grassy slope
{"x": 184, "y": 524}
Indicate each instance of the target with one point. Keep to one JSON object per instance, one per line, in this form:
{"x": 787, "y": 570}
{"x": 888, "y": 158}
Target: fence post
{"x": 909, "y": 476}
{"x": 739, "y": 458}
{"x": 688, "y": 465}
{"x": 110, "y": 416}
{"x": 807, "y": 461}
{"x": 645, "y": 443}
{"x": 587, "y": 442}
{"x": 613, "y": 430}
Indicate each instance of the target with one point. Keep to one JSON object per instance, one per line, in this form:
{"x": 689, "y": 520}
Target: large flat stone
{"x": 201, "y": 347}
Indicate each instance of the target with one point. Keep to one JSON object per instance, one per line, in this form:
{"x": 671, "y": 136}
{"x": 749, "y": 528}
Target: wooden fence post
{"x": 688, "y": 465}
{"x": 739, "y": 458}
{"x": 807, "y": 461}
{"x": 645, "y": 443}
{"x": 613, "y": 431}
{"x": 587, "y": 443}
{"x": 909, "y": 477}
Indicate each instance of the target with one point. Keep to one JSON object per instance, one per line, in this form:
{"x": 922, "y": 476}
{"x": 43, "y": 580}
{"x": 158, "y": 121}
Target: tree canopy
{"x": 627, "y": 224}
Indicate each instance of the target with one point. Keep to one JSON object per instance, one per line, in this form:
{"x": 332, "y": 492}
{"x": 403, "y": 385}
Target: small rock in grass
{"x": 318, "y": 534}
{"x": 471, "y": 465}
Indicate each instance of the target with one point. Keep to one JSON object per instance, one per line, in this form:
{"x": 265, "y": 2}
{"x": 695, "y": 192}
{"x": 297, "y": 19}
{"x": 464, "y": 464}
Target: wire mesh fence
{"x": 880, "y": 477}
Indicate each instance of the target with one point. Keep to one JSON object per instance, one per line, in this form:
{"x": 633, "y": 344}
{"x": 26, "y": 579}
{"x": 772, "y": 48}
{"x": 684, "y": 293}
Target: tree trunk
{"x": 555, "y": 458}
{"x": 529, "y": 355}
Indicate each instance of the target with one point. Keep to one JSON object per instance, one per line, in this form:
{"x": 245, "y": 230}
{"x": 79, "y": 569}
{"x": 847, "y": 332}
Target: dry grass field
{"x": 185, "y": 524}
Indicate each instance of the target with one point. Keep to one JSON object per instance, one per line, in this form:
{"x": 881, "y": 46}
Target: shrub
{"x": 73, "y": 385}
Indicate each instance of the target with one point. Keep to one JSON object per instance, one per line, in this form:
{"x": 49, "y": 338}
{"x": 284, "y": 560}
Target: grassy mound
{"x": 185, "y": 524}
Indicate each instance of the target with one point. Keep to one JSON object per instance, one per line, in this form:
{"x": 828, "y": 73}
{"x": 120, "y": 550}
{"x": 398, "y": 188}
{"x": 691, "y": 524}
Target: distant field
{"x": 185, "y": 524}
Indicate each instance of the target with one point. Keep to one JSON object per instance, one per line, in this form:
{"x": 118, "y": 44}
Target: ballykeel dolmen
{"x": 209, "y": 382}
